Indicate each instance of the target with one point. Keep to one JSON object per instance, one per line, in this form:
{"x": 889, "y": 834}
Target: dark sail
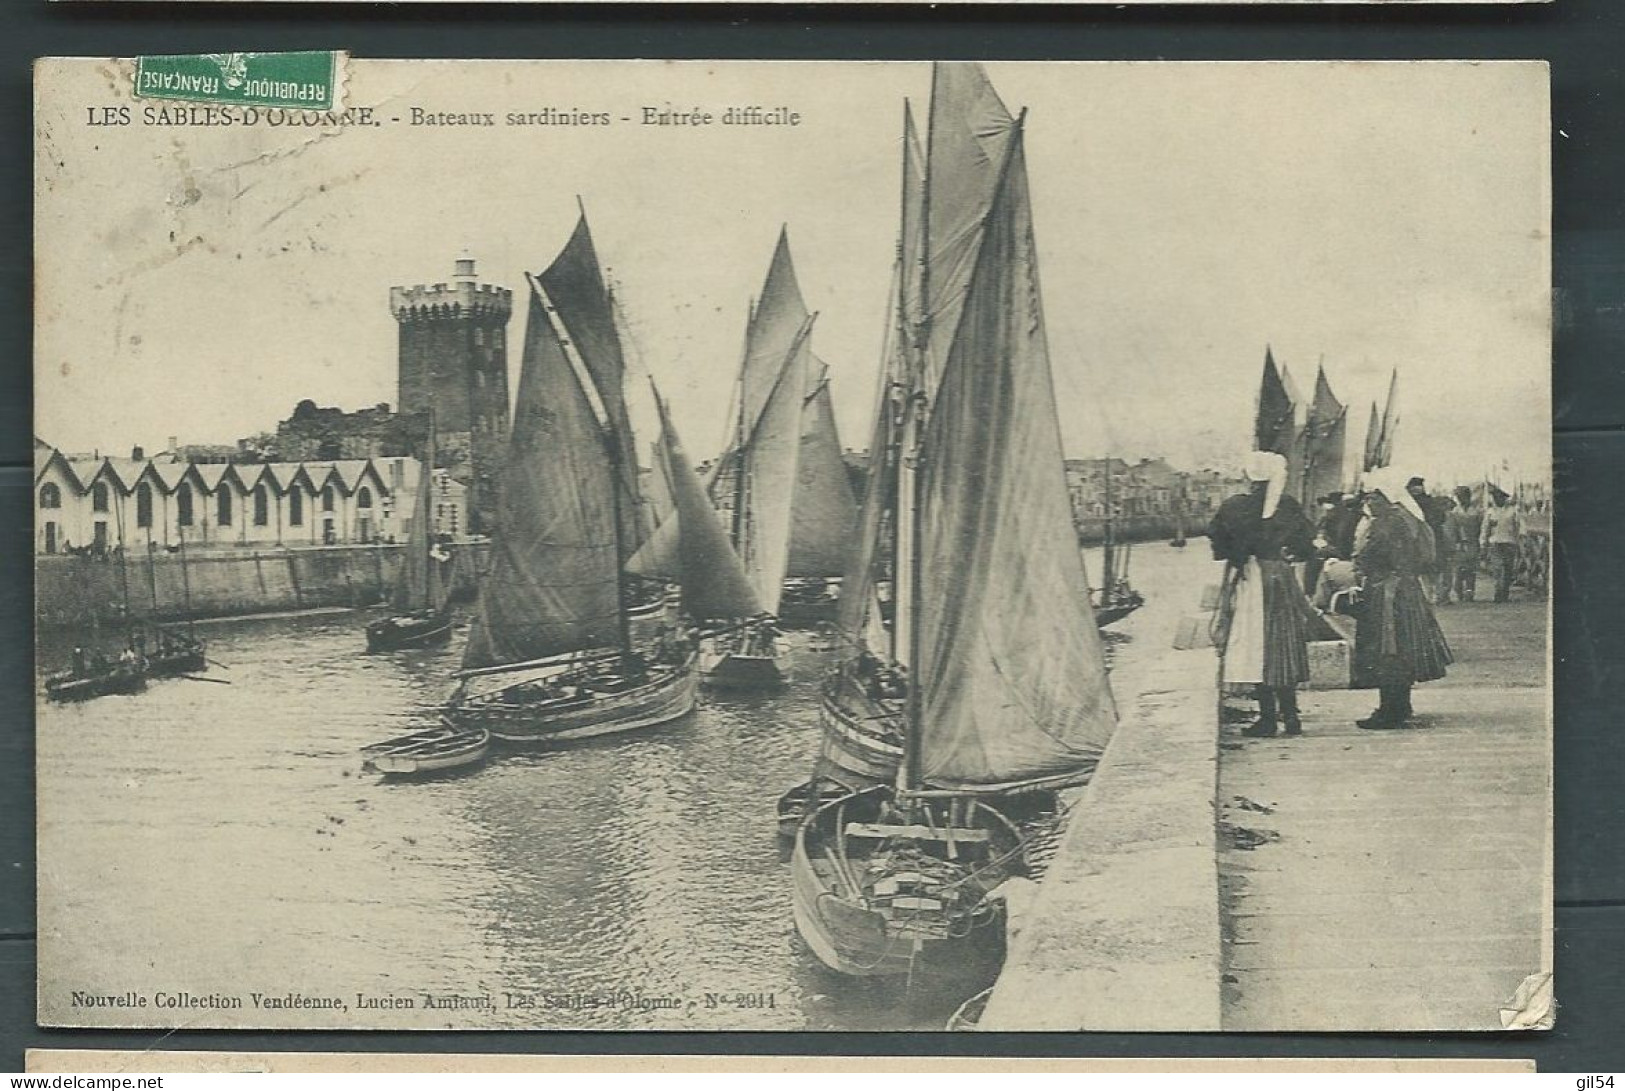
{"x": 419, "y": 585}
{"x": 1373, "y": 440}
{"x": 574, "y": 284}
{"x": 869, "y": 562}
{"x": 554, "y": 580}
{"x": 1323, "y": 440}
{"x": 824, "y": 514}
{"x": 1273, "y": 424}
{"x": 1011, "y": 674}
{"x": 690, "y": 546}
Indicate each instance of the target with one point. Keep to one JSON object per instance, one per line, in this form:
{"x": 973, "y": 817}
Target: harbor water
{"x": 221, "y": 842}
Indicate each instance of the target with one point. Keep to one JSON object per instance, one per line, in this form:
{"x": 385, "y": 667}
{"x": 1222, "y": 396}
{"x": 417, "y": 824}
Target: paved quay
{"x": 1346, "y": 880}
{"x": 1123, "y": 933}
{"x": 1394, "y": 880}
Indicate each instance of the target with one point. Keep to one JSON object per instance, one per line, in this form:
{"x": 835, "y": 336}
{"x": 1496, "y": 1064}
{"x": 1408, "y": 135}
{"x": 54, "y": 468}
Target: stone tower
{"x": 454, "y": 360}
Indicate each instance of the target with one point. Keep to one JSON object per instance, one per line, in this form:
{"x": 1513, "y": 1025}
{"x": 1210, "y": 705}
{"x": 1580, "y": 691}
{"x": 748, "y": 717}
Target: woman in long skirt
{"x": 1265, "y": 616}
{"x": 1397, "y": 641}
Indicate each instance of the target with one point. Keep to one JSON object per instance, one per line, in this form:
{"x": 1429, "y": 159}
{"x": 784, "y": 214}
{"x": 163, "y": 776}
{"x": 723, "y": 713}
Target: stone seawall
{"x": 80, "y": 591}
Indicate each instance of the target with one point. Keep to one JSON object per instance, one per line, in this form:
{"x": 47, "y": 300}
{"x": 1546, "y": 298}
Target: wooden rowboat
{"x": 433, "y": 750}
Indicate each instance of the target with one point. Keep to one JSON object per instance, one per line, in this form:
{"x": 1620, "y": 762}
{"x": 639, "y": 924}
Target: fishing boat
{"x": 755, "y": 480}
{"x": 97, "y": 677}
{"x": 170, "y": 652}
{"x": 439, "y": 749}
{"x": 1115, "y": 598}
{"x": 550, "y": 656}
{"x": 1000, "y": 668}
{"x": 823, "y": 515}
{"x": 421, "y": 602}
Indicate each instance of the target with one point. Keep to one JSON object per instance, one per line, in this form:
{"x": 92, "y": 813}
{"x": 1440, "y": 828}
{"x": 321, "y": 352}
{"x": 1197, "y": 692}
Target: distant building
{"x": 1149, "y": 488}
{"x": 96, "y": 504}
{"x": 453, "y": 361}
{"x": 327, "y": 432}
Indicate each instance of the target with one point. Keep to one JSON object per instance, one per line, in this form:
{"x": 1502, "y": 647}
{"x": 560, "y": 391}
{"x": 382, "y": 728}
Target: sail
{"x": 1323, "y": 439}
{"x": 1011, "y": 672}
{"x": 691, "y": 547}
{"x": 968, "y": 133}
{"x": 657, "y": 495}
{"x": 767, "y": 481}
{"x": 824, "y": 514}
{"x": 1390, "y": 422}
{"x": 775, "y": 326}
{"x": 574, "y": 285}
{"x": 1373, "y": 440}
{"x": 554, "y": 580}
{"x": 1272, "y": 428}
{"x": 418, "y": 587}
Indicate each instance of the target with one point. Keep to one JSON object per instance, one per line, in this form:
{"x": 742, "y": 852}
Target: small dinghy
{"x": 433, "y": 750}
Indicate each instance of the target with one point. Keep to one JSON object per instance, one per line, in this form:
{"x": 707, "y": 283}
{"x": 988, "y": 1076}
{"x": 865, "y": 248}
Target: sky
{"x": 197, "y": 282}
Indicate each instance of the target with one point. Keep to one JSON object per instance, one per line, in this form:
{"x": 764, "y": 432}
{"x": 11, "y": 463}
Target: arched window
{"x": 143, "y": 505}
{"x": 50, "y": 495}
{"x": 363, "y": 499}
{"x": 262, "y": 505}
{"x": 327, "y": 498}
{"x": 222, "y": 506}
{"x": 296, "y": 507}
{"x": 183, "y": 505}
{"x": 98, "y": 496}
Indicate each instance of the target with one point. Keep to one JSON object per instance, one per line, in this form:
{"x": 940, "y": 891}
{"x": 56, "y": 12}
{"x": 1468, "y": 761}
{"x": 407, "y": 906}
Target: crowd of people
{"x": 1385, "y": 556}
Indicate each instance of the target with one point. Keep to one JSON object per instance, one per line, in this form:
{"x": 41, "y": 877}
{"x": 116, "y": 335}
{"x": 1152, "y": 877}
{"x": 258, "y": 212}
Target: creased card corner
{"x": 1532, "y": 1006}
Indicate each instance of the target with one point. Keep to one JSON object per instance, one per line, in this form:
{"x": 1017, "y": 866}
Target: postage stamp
{"x": 299, "y": 81}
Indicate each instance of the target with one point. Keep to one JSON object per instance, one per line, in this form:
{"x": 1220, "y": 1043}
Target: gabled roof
{"x": 165, "y": 473}
{"x": 56, "y": 458}
{"x": 212, "y": 474}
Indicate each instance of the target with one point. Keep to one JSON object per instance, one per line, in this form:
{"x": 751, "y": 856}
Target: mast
{"x": 186, "y": 583}
{"x": 1108, "y": 562}
{"x": 124, "y": 576}
{"x": 623, "y": 622}
{"x": 909, "y": 449}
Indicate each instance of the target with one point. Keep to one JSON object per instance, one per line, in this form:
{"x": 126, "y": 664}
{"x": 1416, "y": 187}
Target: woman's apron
{"x": 1243, "y": 661}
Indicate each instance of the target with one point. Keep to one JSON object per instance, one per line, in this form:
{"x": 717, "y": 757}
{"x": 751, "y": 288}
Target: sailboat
{"x": 756, "y": 482}
{"x": 997, "y": 660}
{"x": 421, "y": 601}
{"x": 823, "y": 515}
{"x": 169, "y": 652}
{"x": 1116, "y": 598}
{"x": 550, "y": 656}
{"x": 1178, "y": 540}
{"x": 92, "y": 673}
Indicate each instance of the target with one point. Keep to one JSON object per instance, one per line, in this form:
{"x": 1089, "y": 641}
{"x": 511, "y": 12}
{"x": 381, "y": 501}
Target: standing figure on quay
{"x": 1263, "y": 614}
{"x": 1397, "y": 641}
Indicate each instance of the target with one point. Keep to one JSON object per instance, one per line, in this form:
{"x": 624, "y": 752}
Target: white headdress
{"x": 1270, "y": 467}
{"x": 1391, "y": 483}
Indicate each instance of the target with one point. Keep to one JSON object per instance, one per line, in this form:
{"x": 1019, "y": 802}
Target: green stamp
{"x": 298, "y": 81}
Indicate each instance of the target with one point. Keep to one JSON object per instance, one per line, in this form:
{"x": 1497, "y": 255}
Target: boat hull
{"x": 121, "y": 681}
{"x": 469, "y": 752}
{"x": 808, "y": 614}
{"x": 407, "y": 631}
{"x": 864, "y": 743}
{"x": 734, "y": 670}
{"x": 669, "y": 695}
{"x": 852, "y": 938}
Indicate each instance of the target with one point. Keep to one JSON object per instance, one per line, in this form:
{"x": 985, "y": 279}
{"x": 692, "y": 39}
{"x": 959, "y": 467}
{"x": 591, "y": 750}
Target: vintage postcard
{"x": 793, "y": 546}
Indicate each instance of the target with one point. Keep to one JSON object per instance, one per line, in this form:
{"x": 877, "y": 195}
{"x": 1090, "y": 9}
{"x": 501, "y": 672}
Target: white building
{"x": 98, "y": 503}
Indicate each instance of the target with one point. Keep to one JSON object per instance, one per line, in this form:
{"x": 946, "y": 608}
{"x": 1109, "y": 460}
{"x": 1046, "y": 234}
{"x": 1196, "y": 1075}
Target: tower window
{"x": 143, "y": 505}
{"x": 50, "y": 495}
{"x": 479, "y": 336}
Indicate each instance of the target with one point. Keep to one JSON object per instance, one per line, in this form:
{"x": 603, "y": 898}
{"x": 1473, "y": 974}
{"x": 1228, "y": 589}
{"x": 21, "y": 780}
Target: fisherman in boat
{"x": 1265, "y": 615}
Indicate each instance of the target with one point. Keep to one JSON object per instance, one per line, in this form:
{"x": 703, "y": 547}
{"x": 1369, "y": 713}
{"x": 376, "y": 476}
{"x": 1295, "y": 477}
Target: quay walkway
{"x": 1344, "y": 880}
